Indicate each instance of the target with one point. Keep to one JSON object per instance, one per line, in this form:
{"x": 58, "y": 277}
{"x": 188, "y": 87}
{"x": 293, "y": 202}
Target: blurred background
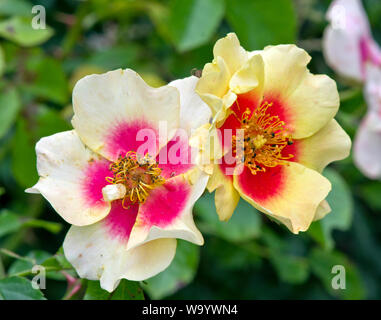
{"x": 248, "y": 258}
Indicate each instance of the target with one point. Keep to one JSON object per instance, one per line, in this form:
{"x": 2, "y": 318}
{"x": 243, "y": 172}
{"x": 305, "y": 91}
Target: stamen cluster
{"x": 138, "y": 174}
{"x": 264, "y": 139}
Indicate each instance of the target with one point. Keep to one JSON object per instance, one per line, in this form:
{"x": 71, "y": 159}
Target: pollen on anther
{"x": 138, "y": 174}
{"x": 265, "y": 137}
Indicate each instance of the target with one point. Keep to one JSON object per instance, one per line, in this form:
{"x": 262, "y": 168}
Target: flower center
{"x": 136, "y": 176}
{"x": 263, "y": 141}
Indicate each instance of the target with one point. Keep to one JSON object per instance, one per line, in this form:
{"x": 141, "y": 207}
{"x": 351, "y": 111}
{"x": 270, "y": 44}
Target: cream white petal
{"x": 194, "y": 112}
{"x": 120, "y": 98}
{"x": 96, "y": 255}
{"x": 296, "y": 203}
{"x": 231, "y": 51}
{"x": 215, "y": 78}
{"x": 226, "y": 197}
{"x": 313, "y": 104}
{"x": 331, "y": 143}
{"x": 322, "y": 210}
{"x": 285, "y": 68}
{"x": 62, "y": 160}
{"x": 308, "y": 101}
{"x": 250, "y": 76}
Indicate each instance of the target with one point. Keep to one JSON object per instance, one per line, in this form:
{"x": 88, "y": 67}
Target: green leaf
{"x": 115, "y": 57}
{"x": 34, "y": 257}
{"x": 50, "y": 80}
{"x": 14, "y": 255}
{"x": 60, "y": 257}
{"x": 322, "y": 263}
{"x": 290, "y": 269}
{"x": 340, "y": 218}
{"x": 244, "y": 225}
{"x": 233, "y": 256}
{"x": 49, "y": 122}
{"x": 53, "y": 227}
{"x": 9, "y": 222}
{"x": 316, "y": 232}
{"x": 352, "y": 100}
{"x": 95, "y": 292}
{"x": 16, "y": 288}
{"x": 9, "y": 108}
{"x": 58, "y": 262}
{"x": 20, "y": 31}
{"x": 180, "y": 273}
{"x": 38, "y": 257}
{"x": 15, "y": 7}
{"x": 53, "y": 264}
{"x": 371, "y": 193}
{"x": 126, "y": 290}
{"x": 181, "y": 64}
{"x": 23, "y": 156}
{"x": 262, "y": 22}
{"x": 192, "y": 23}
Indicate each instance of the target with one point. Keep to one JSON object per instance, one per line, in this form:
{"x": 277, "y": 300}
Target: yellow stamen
{"x": 138, "y": 174}
{"x": 264, "y": 139}
{"x": 259, "y": 141}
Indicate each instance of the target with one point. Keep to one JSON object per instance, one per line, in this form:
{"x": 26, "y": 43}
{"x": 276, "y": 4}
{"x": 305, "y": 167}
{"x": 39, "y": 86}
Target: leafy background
{"x": 248, "y": 258}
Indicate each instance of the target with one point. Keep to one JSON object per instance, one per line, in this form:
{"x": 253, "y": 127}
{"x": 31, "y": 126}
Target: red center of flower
{"x": 138, "y": 174}
{"x": 263, "y": 141}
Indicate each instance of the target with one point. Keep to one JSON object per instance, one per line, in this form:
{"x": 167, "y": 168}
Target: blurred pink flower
{"x": 367, "y": 145}
{"x": 351, "y": 51}
{"x": 347, "y": 42}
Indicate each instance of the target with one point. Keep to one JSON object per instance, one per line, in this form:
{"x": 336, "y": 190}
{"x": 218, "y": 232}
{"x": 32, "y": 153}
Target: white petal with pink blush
{"x": 71, "y": 178}
{"x": 127, "y": 203}
{"x": 110, "y": 109}
{"x": 97, "y": 255}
